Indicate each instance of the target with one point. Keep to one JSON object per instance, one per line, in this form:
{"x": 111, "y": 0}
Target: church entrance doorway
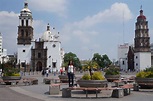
{"x": 39, "y": 66}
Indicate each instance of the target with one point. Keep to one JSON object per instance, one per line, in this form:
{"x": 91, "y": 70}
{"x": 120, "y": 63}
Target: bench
{"x": 30, "y": 81}
{"x": 11, "y": 82}
{"x": 66, "y": 92}
{"x": 118, "y": 83}
{"x": 26, "y": 81}
{"x": 1, "y": 81}
{"x": 50, "y": 80}
{"x": 118, "y": 92}
{"x": 122, "y": 82}
{"x": 112, "y": 79}
{"x": 127, "y": 89}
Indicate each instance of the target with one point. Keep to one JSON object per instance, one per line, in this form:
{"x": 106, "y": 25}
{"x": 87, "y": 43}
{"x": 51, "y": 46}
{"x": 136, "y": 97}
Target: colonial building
{"x": 139, "y": 55}
{"x": 142, "y": 55}
{"x": 37, "y": 54}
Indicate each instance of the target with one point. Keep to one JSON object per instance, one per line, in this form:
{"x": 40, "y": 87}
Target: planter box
{"x": 111, "y": 78}
{"x": 63, "y": 78}
{"x": 92, "y": 83}
{"x": 144, "y": 82}
{"x": 11, "y": 79}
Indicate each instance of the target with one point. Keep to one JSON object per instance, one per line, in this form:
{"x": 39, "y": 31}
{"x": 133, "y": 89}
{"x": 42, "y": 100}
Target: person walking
{"x": 47, "y": 72}
{"x": 70, "y": 72}
{"x": 43, "y": 72}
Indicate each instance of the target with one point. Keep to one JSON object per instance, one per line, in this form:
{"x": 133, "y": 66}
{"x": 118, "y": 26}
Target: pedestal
{"x": 135, "y": 87}
{"x": 127, "y": 91}
{"x": 117, "y": 93}
{"x": 54, "y": 89}
{"x": 66, "y": 93}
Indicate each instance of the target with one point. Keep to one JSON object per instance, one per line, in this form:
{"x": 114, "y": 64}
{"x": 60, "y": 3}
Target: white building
{"x": 1, "y": 44}
{"x": 122, "y": 55}
{"x": 37, "y": 54}
{"x": 142, "y": 55}
{"x": 3, "y": 52}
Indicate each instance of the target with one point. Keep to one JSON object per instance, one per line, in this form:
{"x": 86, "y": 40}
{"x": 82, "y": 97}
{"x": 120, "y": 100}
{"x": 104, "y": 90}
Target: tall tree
{"x": 98, "y": 59}
{"x": 102, "y": 61}
{"x": 71, "y": 56}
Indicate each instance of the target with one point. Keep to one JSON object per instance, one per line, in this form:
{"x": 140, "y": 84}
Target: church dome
{"x": 47, "y": 36}
{"x": 141, "y": 16}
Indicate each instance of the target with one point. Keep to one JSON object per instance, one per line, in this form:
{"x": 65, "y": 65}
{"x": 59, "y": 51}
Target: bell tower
{"x": 25, "y": 36}
{"x": 25, "y": 29}
{"x": 142, "y": 39}
{"x": 142, "y": 55}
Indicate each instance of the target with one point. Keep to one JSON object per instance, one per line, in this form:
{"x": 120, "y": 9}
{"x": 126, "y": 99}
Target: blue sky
{"x": 85, "y": 26}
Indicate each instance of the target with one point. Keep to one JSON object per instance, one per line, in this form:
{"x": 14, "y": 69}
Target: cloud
{"x": 112, "y": 15}
{"x": 8, "y": 18}
{"x": 8, "y": 28}
{"x": 39, "y": 28}
{"x": 55, "y": 6}
{"x": 88, "y": 32}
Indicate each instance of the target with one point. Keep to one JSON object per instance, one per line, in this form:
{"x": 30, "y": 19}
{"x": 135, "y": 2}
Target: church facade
{"x": 37, "y": 54}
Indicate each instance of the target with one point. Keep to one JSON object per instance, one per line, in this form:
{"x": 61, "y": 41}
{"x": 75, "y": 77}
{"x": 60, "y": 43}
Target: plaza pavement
{"x": 40, "y": 93}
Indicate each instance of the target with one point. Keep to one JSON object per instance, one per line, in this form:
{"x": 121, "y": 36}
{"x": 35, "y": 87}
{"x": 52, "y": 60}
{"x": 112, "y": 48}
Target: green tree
{"x": 71, "y": 56}
{"x": 98, "y": 59}
{"x": 102, "y": 61}
{"x": 106, "y": 60}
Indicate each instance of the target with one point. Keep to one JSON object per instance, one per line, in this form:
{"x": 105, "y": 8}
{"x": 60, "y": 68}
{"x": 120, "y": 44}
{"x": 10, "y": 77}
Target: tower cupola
{"x": 25, "y": 29}
{"x": 25, "y": 10}
{"x": 141, "y": 17}
{"x": 48, "y": 27}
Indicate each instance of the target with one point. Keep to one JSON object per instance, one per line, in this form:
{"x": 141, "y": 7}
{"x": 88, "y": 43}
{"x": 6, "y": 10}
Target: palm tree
{"x": 90, "y": 65}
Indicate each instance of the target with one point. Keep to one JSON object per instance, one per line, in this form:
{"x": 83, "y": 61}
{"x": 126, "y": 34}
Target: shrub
{"x": 16, "y": 74}
{"x": 10, "y": 70}
{"x": 147, "y": 73}
{"x": 86, "y": 77}
{"x": 149, "y": 69}
{"x": 97, "y": 76}
{"x": 112, "y": 70}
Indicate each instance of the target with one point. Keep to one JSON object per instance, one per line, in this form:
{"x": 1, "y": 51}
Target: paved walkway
{"x": 39, "y": 93}
{"x": 6, "y": 94}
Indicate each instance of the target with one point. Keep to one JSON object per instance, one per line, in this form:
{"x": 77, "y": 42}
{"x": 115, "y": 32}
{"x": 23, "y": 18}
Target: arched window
{"x": 26, "y": 22}
{"x": 39, "y": 55}
{"x": 22, "y": 22}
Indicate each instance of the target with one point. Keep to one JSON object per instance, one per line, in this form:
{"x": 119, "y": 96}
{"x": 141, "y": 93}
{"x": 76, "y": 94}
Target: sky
{"x": 86, "y": 26}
